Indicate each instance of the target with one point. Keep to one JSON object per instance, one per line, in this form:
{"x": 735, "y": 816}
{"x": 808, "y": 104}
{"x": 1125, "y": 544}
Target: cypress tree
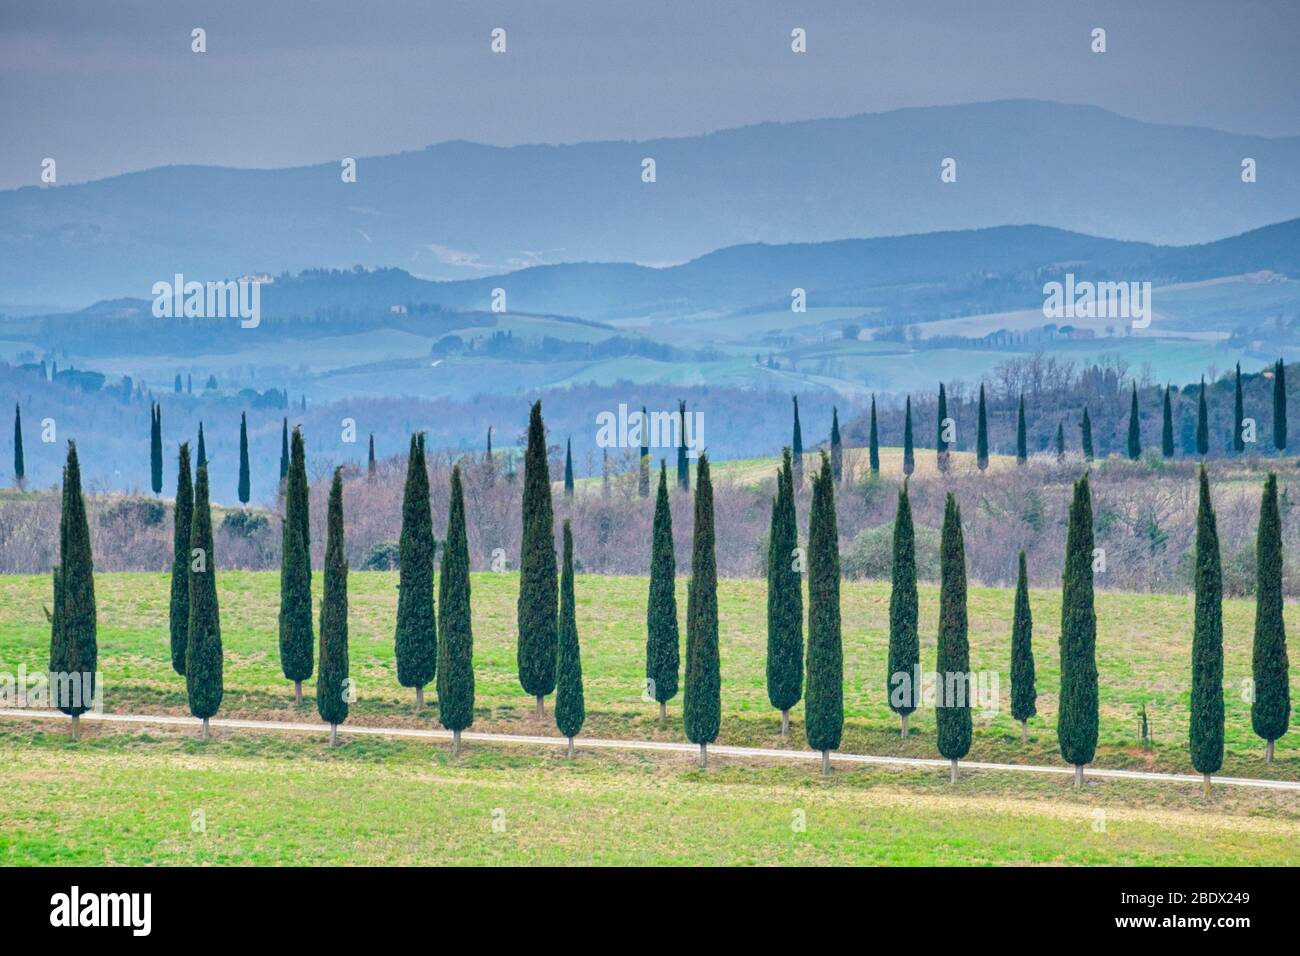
{"x": 179, "y": 615}
{"x": 909, "y": 454}
{"x": 456, "y": 648}
{"x": 1207, "y": 644}
{"x": 1167, "y": 427}
{"x": 19, "y": 464}
{"x": 489, "y": 462}
{"x": 702, "y": 708}
{"x": 874, "y": 451}
{"x": 177, "y": 387}
{"x": 244, "y": 484}
{"x": 570, "y": 711}
{"x": 904, "y": 644}
{"x": 662, "y": 650}
{"x": 1023, "y": 694}
{"x": 1238, "y": 415}
{"x": 941, "y": 446}
{"x": 683, "y": 468}
{"x": 1279, "y": 406}
{"x": 1202, "y": 424}
{"x": 982, "y": 435}
{"x": 824, "y": 709}
{"x": 643, "y": 463}
{"x": 416, "y": 639}
{"x": 1270, "y": 710}
{"x": 371, "y": 467}
{"x": 1022, "y": 442}
{"x": 1076, "y": 720}
{"x": 1086, "y": 428}
{"x": 952, "y": 713}
{"x": 1134, "y": 428}
{"x": 155, "y": 447}
{"x": 1060, "y": 441}
{"x": 332, "y": 687}
{"x": 568, "y": 468}
{"x": 189, "y": 383}
{"x": 784, "y": 601}
{"x": 74, "y": 643}
{"x": 537, "y": 609}
{"x": 837, "y": 449}
{"x": 203, "y": 658}
{"x": 202, "y": 458}
{"x": 284, "y": 452}
{"x": 295, "y": 574}
{"x": 797, "y": 446}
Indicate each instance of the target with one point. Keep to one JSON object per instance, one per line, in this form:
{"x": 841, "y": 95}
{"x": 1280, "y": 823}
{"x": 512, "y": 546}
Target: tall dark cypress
{"x": 456, "y": 644}
{"x": 568, "y": 468}
{"x": 1238, "y": 416}
{"x": 1134, "y": 428}
{"x": 203, "y": 657}
{"x": 784, "y": 601}
{"x": 202, "y": 457}
{"x": 1086, "y": 437}
{"x": 284, "y": 452}
{"x": 940, "y": 444}
{"x": 177, "y": 386}
{"x": 909, "y": 453}
{"x": 332, "y": 687}
{"x": 1076, "y": 720}
{"x": 1270, "y": 709}
{"x": 179, "y": 614}
{"x": 416, "y": 639}
{"x": 537, "y": 608}
{"x": 570, "y": 710}
{"x": 1279, "y": 406}
{"x": 1206, "y": 736}
{"x": 1024, "y": 696}
{"x": 901, "y": 681}
{"x": 643, "y": 463}
{"x": 837, "y": 448}
{"x": 796, "y": 446}
{"x": 874, "y": 451}
{"x": 245, "y": 489}
{"x": 824, "y": 708}
{"x": 155, "y": 448}
{"x": 1167, "y": 427}
{"x": 74, "y": 641}
{"x": 683, "y": 467}
{"x": 371, "y": 465}
{"x": 489, "y": 462}
{"x": 952, "y": 711}
{"x": 296, "y": 649}
{"x": 982, "y": 435}
{"x": 1202, "y": 424}
{"x": 662, "y": 649}
{"x": 1060, "y": 441}
{"x": 1022, "y": 441}
{"x": 702, "y": 708}
{"x": 20, "y": 467}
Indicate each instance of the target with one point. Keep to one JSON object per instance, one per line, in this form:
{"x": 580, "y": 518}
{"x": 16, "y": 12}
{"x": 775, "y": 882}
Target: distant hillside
{"x": 460, "y": 210}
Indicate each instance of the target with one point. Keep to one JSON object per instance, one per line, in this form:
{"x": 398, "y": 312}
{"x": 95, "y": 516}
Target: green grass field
{"x": 126, "y": 796}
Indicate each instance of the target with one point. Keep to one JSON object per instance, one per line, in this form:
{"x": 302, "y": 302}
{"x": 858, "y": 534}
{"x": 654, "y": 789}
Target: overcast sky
{"x": 110, "y": 87}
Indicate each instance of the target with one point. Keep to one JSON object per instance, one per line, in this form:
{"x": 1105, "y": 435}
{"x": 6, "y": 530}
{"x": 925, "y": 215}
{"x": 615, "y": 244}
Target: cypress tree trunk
{"x": 796, "y": 446}
{"x": 784, "y": 600}
{"x": 1167, "y": 427}
{"x": 1024, "y": 696}
{"x": 952, "y": 771}
{"x": 1279, "y": 406}
{"x": 875, "y": 440}
{"x": 1202, "y": 424}
{"x": 416, "y": 638}
{"x": 332, "y": 685}
{"x": 570, "y": 708}
{"x": 982, "y": 435}
{"x": 1022, "y": 443}
{"x": 203, "y": 654}
{"x": 702, "y": 706}
{"x": 904, "y": 643}
{"x": 909, "y": 454}
{"x": 824, "y": 708}
{"x": 1077, "y": 716}
{"x": 940, "y": 445}
{"x": 1207, "y": 643}
{"x": 179, "y": 611}
{"x": 663, "y": 713}
{"x": 952, "y": 711}
{"x": 662, "y": 651}
{"x": 456, "y": 646}
{"x": 296, "y": 638}
{"x": 1270, "y": 710}
{"x": 837, "y": 449}
{"x": 206, "y": 731}
{"x": 1134, "y": 428}
{"x": 244, "y": 481}
{"x": 1238, "y": 414}
{"x": 537, "y": 608}
{"x": 74, "y": 645}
